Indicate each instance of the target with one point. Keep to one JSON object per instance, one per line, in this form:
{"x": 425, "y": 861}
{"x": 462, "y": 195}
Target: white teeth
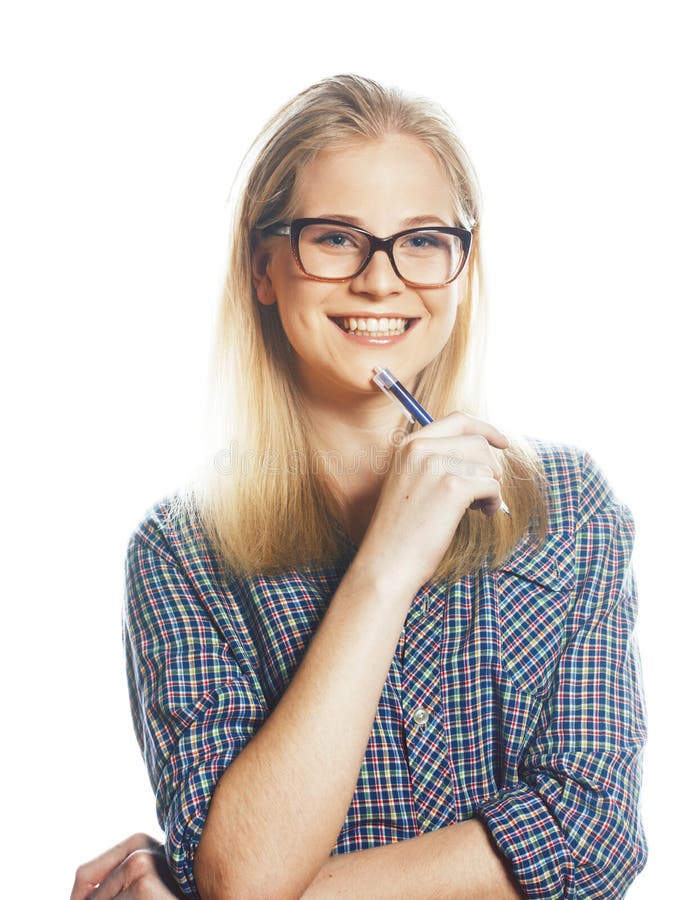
{"x": 374, "y": 326}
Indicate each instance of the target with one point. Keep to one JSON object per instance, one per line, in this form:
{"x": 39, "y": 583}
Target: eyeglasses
{"x": 328, "y": 250}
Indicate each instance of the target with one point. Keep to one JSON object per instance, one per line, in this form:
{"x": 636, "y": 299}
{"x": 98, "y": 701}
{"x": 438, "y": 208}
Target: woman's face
{"x": 383, "y": 186}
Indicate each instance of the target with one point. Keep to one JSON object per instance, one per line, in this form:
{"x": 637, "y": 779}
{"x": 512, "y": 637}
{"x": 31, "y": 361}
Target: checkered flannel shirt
{"x": 513, "y": 695}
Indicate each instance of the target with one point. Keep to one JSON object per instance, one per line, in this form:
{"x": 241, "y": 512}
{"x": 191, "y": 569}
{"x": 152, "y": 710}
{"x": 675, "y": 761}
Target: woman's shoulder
{"x": 170, "y": 528}
{"x": 576, "y": 486}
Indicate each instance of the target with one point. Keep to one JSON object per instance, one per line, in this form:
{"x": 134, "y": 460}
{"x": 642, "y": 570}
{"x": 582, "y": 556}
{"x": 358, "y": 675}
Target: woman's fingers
{"x": 456, "y": 424}
{"x": 95, "y": 872}
{"x": 489, "y": 505}
{"x": 476, "y": 490}
{"x": 463, "y": 446}
{"x": 463, "y": 455}
{"x": 143, "y": 875}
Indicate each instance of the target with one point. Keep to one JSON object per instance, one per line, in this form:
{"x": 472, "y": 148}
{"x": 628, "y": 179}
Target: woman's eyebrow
{"x": 341, "y": 217}
{"x": 411, "y": 222}
{"x": 423, "y": 220}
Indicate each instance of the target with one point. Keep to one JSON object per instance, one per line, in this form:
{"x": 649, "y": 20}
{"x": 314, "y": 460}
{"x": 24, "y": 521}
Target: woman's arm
{"x": 278, "y": 809}
{"x": 454, "y": 863}
{"x": 458, "y": 862}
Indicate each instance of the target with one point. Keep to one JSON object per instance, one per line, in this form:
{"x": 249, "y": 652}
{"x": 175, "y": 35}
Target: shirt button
{"x": 421, "y": 716}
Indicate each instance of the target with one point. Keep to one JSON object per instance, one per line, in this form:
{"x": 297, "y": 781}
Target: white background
{"x": 123, "y": 126}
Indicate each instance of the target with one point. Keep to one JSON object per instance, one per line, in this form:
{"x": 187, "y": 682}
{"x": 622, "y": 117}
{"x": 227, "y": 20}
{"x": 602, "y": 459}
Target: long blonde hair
{"x": 259, "y": 499}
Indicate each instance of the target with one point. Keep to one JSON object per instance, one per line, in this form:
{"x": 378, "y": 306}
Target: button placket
{"x": 428, "y": 763}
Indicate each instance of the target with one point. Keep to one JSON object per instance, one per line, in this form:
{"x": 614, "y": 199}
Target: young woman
{"x": 366, "y": 658}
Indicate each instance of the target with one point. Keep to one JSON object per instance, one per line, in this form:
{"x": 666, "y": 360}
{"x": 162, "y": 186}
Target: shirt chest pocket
{"x": 534, "y": 590}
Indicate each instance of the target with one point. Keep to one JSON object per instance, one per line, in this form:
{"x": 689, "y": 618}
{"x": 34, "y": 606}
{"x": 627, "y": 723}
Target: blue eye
{"x": 337, "y": 240}
{"x": 424, "y": 241}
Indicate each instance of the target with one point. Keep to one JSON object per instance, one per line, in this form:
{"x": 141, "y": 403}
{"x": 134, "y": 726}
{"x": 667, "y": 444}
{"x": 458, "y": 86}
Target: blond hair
{"x": 259, "y": 499}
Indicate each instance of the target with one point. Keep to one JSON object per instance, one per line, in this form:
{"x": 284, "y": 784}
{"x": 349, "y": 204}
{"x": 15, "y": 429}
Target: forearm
{"x": 458, "y": 862}
{"x": 278, "y": 809}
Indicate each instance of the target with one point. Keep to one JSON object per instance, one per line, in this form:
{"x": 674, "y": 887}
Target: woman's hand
{"x": 135, "y": 868}
{"x": 435, "y": 475}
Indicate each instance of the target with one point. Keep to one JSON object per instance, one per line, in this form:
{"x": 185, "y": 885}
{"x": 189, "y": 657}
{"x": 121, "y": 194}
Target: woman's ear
{"x": 261, "y": 278}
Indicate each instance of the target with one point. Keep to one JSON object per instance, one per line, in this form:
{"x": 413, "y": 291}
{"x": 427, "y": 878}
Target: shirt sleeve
{"x": 194, "y": 706}
{"x": 570, "y": 826}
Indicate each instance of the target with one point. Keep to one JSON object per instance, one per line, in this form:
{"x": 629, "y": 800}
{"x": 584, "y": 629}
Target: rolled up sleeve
{"x": 194, "y": 705}
{"x": 570, "y": 826}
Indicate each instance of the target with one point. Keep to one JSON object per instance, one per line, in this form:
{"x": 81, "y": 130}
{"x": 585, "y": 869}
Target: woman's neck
{"x": 351, "y": 447}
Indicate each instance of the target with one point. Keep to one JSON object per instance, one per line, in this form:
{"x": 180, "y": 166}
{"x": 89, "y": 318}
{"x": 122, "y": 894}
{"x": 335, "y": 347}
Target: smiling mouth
{"x": 381, "y": 327}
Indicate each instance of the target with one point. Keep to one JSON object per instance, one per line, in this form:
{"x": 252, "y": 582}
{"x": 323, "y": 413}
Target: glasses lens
{"x": 332, "y": 251}
{"x": 429, "y": 257}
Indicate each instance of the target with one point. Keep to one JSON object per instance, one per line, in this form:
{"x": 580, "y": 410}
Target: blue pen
{"x": 398, "y": 393}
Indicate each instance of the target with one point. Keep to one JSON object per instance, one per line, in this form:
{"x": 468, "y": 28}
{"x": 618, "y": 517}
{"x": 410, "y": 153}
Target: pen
{"x": 414, "y": 411}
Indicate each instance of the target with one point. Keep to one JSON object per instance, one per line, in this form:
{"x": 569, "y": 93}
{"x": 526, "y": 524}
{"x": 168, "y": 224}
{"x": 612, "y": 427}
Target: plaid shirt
{"x": 513, "y": 694}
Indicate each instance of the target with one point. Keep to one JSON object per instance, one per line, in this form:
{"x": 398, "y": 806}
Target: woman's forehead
{"x": 397, "y": 173}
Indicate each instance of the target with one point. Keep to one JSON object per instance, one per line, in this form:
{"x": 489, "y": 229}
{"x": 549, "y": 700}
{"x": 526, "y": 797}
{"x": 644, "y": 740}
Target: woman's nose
{"x": 379, "y": 277}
